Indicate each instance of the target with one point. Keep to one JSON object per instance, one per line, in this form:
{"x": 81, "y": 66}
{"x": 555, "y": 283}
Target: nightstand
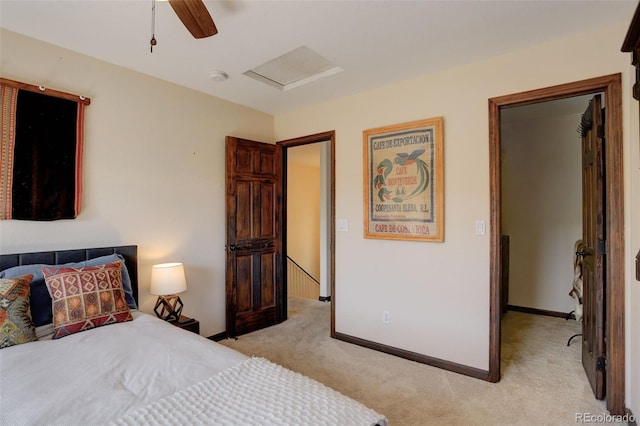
{"x": 188, "y": 324}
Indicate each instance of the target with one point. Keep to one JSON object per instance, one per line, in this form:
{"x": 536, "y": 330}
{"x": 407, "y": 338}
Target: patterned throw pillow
{"x": 40, "y": 298}
{"x": 85, "y": 298}
{"x": 16, "y": 326}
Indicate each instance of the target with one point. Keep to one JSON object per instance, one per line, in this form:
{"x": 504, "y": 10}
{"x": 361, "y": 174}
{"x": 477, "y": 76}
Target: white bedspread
{"x": 255, "y": 392}
{"x": 147, "y": 371}
{"x": 95, "y": 376}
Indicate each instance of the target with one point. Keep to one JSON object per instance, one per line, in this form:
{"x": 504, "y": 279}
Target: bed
{"x": 141, "y": 370}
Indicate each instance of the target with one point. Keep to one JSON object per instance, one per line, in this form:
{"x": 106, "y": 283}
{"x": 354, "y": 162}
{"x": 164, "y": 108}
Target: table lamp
{"x": 167, "y": 279}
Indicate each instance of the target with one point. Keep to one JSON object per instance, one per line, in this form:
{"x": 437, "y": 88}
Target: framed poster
{"x": 403, "y": 181}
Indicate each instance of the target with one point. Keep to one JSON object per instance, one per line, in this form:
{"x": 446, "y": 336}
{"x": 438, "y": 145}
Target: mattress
{"x": 117, "y": 373}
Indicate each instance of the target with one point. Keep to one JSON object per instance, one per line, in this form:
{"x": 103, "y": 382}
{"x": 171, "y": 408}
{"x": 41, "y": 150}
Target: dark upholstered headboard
{"x": 130, "y": 254}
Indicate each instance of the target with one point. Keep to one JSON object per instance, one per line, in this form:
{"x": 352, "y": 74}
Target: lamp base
{"x": 168, "y": 307}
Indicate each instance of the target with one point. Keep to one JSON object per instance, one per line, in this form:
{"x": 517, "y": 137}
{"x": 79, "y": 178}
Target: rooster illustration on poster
{"x": 401, "y": 162}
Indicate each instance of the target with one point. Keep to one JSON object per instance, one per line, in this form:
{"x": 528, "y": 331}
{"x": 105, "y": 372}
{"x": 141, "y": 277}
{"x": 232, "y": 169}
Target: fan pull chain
{"x": 153, "y": 41}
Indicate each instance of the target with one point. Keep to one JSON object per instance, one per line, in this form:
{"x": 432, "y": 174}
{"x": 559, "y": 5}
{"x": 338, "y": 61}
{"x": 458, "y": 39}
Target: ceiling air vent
{"x": 293, "y": 69}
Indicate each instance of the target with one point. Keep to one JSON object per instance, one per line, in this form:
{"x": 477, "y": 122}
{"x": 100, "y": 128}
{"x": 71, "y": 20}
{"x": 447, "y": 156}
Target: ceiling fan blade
{"x": 195, "y": 16}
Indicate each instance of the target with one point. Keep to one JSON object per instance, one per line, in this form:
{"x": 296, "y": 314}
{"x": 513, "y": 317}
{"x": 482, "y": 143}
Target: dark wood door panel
{"x": 593, "y": 254}
{"x": 244, "y": 160}
{"x": 252, "y": 321}
{"x": 267, "y": 280}
{"x": 266, "y": 222}
{"x": 255, "y": 201}
{"x": 255, "y": 287}
{"x": 243, "y": 210}
{"x": 244, "y": 273}
{"x": 256, "y": 161}
{"x": 267, "y": 163}
{"x": 255, "y": 268}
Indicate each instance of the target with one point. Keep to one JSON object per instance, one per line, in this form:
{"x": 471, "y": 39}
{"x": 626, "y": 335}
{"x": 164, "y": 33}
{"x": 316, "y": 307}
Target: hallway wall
{"x": 541, "y": 206}
{"x": 303, "y": 212}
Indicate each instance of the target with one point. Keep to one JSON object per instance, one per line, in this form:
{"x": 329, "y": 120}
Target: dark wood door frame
{"x": 329, "y": 136}
{"x": 611, "y": 86}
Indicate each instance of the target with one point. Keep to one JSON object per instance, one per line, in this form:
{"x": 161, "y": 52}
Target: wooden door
{"x": 255, "y": 296}
{"x": 593, "y": 256}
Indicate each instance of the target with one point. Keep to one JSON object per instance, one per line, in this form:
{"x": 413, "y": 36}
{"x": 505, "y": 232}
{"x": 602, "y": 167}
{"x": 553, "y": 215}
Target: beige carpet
{"x": 542, "y": 379}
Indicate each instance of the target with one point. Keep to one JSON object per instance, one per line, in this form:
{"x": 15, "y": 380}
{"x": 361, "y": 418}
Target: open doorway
{"x": 541, "y": 203}
{"x": 542, "y": 220}
{"x": 614, "y": 205}
{"x": 306, "y": 222}
{"x": 323, "y": 146}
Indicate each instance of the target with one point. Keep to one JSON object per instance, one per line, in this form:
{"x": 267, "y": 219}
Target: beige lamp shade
{"x": 167, "y": 278}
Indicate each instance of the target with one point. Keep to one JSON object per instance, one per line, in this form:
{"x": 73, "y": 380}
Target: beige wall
{"x": 153, "y": 170}
{"x": 303, "y": 214}
{"x": 541, "y": 208}
{"x": 438, "y": 294}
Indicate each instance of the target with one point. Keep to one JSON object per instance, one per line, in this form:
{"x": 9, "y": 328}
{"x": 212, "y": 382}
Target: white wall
{"x": 541, "y": 208}
{"x": 438, "y": 294}
{"x": 153, "y": 170}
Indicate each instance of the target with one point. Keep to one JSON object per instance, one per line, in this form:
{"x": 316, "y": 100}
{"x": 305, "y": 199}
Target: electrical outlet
{"x": 386, "y": 318}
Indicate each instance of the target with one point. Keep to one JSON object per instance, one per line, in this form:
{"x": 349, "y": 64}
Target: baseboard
{"x": 218, "y": 337}
{"x": 324, "y": 298}
{"x": 537, "y": 311}
{"x": 413, "y": 356}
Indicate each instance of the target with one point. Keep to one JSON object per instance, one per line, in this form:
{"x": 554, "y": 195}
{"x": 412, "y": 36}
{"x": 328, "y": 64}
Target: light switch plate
{"x": 480, "y": 227}
{"x": 343, "y": 225}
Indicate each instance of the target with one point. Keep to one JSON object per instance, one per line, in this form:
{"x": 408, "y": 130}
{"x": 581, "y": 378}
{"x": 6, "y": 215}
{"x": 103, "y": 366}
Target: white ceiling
{"x": 375, "y": 42}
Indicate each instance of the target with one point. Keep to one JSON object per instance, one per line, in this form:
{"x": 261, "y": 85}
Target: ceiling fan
{"x": 193, "y": 14}
{"x": 195, "y": 17}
